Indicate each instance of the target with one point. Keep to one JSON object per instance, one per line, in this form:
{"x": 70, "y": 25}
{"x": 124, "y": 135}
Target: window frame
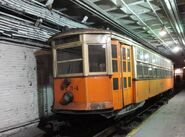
{"x": 68, "y": 45}
{"x": 155, "y": 65}
{"x": 84, "y": 42}
{"x": 106, "y": 61}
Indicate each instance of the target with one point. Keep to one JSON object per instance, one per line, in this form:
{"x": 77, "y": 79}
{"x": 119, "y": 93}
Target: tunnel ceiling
{"x": 140, "y": 19}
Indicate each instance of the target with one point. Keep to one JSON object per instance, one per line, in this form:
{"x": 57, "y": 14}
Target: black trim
{"x": 77, "y": 112}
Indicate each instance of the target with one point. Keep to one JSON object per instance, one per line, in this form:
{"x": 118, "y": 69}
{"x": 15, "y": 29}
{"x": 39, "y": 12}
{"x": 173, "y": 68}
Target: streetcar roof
{"x": 79, "y": 31}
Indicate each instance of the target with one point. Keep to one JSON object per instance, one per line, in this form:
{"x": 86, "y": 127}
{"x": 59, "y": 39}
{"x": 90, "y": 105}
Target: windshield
{"x": 69, "y": 60}
{"x": 97, "y": 61}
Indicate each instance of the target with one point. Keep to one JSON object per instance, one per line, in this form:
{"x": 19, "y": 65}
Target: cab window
{"x": 69, "y": 60}
{"x": 97, "y": 60}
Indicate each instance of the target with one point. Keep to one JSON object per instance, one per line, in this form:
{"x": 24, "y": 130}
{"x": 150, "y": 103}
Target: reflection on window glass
{"x": 139, "y": 54}
{"x": 114, "y": 66}
{"x": 150, "y": 58}
{"x": 124, "y": 53}
{"x": 97, "y": 62}
{"x": 157, "y": 60}
{"x": 114, "y": 51}
{"x": 153, "y": 59}
{"x": 124, "y": 82}
{"x": 139, "y": 70}
{"x": 129, "y": 81}
{"x": 162, "y": 73}
{"x": 146, "y": 56}
{"x": 158, "y": 73}
{"x": 128, "y": 54}
{"x": 150, "y": 72}
{"x": 70, "y": 67}
{"x": 69, "y": 53}
{"x": 155, "y": 72}
{"x": 128, "y": 66}
{"x": 165, "y": 73}
{"x": 69, "y": 60}
{"x": 124, "y": 66}
{"x": 145, "y": 71}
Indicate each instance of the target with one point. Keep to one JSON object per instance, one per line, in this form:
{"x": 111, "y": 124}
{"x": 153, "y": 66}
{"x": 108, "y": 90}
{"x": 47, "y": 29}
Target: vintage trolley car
{"x": 98, "y": 71}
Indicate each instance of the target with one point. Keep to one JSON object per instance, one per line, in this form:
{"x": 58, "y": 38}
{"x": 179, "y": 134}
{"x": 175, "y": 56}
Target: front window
{"x": 69, "y": 60}
{"x": 97, "y": 60}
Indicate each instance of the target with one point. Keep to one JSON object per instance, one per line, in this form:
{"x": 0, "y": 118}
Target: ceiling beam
{"x": 104, "y": 16}
{"x": 135, "y": 14}
{"x": 171, "y": 10}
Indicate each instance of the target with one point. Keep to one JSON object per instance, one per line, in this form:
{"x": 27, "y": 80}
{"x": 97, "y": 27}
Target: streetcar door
{"x": 116, "y": 77}
{"x": 126, "y": 74}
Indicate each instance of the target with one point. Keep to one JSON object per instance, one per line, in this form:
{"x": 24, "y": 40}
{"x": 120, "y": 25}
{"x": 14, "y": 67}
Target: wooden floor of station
{"x": 168, "y": 121}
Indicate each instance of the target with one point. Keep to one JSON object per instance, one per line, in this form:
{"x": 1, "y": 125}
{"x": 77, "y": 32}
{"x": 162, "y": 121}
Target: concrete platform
{"x": 26, "y": 131}
{"x": 168, "y": 121}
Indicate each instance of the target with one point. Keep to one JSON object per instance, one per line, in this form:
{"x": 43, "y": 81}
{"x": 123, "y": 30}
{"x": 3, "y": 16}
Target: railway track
{"x": 99, "y": 127}
{"x": 123, "y": 126}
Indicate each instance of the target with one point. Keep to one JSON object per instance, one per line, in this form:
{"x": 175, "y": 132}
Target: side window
{"x": 124, "y": 66}
{"x": 158, "y": 73}
{"x": 114, "y": 60}
{"x": 153, "y": 59}
{"x": 145, "y": 71}
{"x": 129, "y": 81}
{"x": 115, "y": 84}
{"x": 69, "y": 60}
{"x": 124, "y": 53}
{"x": 154, "y": 72}
{"x": 150, "y": 72}
{"x": 161, "y": 71}
{"x": 128, "y": 54}
{"x": 150, "y": 58}
{"x": 114, "y": 51}
{"x": 114, "y": 66}
{"x": 146, "y": 56}
{"x": 128, "y": 65}
{"x": 139, "y": 70}
{"x": 139, "y": 54}
{"x": 124, "y": 82}
{"x": 97, "y": 61}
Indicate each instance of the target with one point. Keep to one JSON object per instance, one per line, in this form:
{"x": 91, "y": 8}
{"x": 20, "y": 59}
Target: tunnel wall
{"x": 23, "y": 100}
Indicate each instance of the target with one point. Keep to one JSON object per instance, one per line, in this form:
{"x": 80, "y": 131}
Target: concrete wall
{"x": 22, "y": 98}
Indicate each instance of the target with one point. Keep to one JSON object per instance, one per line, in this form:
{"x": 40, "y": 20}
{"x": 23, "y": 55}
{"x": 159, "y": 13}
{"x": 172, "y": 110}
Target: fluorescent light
{"x": 176, "y": 49}
{"x": 162, "y": 32}
{"x": 178, "y": 71}
{"x": 104, "y": 46}
{"x": 149, "y": 69}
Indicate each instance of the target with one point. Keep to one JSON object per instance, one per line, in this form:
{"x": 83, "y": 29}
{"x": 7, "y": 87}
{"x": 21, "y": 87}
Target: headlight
{"x": 67, "y": 98}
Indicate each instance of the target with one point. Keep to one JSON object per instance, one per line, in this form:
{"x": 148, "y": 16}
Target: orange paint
{"x": 97, "y": 92}
{"x": 86, "y": 91}
{"x": 128, "y": 90}
{"x": 145, "y": 89}
{"x": 117, "y": 94}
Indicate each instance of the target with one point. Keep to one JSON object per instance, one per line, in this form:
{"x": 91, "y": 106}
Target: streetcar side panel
{"x": 153, "y": 74}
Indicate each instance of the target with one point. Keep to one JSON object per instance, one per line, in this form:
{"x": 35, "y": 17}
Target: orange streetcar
{"x": 101, "y": 72}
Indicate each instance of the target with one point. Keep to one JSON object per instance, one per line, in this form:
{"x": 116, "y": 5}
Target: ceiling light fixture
{"x": 176, "y": 49}
{"x": 162, "y": 32}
